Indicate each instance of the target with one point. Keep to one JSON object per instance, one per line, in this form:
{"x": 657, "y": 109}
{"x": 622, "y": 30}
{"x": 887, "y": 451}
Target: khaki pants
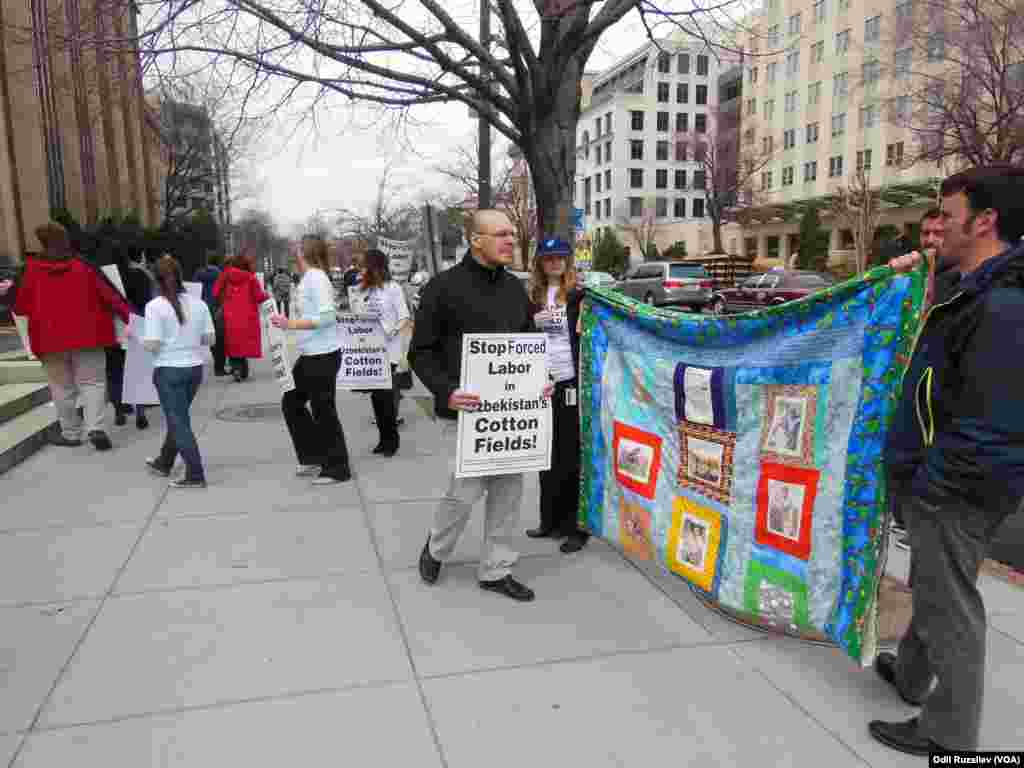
{"x": 504, "y": 495}
{"x": 81, "y": 372}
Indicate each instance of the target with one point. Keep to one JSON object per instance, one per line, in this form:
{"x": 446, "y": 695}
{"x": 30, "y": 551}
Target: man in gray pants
{"x": 956, "y": 459}
{"x": 475, "y": 296}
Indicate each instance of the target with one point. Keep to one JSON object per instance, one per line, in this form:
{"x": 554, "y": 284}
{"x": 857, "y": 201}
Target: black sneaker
{"x": 100, "y": 441}
{"x": 510, "y": 588}
{"x": 141, "y": 422}
{"x": 186, "y": 483}
{"x": 430, "y": 568}
{"x": 157, "y": 469}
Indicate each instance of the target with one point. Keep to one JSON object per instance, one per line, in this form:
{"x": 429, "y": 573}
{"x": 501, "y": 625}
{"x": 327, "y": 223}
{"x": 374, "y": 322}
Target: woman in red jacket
{"x": 70, "y": 308}
{"x": 241, "y": 294}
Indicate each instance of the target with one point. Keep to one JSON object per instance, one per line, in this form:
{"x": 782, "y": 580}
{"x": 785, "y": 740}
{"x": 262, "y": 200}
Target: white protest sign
{"x": 278, "y": 347}
{"x": 111, "y": 271}
{"x": 138, "y": 367}
{"x": 364, "y": 354}
{"x": 511, "y": 432}
{"x": 196, "y": 289}
{"x": 21, "y": 323}
{"x": 399, "y": 253}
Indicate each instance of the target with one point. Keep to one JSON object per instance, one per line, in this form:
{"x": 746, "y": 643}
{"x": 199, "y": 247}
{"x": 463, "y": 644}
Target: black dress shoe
{"x": 100, "y": 441}
{"x": 119, "y": 418}
{"x": 574, "y": 543}
{"x": 510, "y": 588}
{"x": 430, "y": 568}
{"x": 903, "y": 737}
{"x": 141, "y": 422}
{"x": 542, "y": 533}
{"x": 885, "y": 666}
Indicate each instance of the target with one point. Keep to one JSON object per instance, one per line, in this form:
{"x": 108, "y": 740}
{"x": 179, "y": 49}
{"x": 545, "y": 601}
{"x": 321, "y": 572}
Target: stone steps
{"x": 28, "y": 421}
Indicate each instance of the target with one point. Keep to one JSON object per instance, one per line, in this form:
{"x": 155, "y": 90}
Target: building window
{"x": 894, "y": 154}
{"x": 844, "y": 5}
{"x": 787, "y": 176}
{"x": 663, "y": 122}
{"x": 586, "y": 194}
{"x": 679, "y": 208}
{"x": 608, "y": 181}
{"x": 586, "y": 145}
{"x": 901, "y": 108}
{"x": 818, "y": 52}
{"x": 702, "y": 66}
{"x": 607, "y": 151}
{"x": 700, "y": 123}
{"x": 936, "y": 45}
{"x": 661, "y": 207}
{"x": 698, "y": 208}
{"x": 789, "y": 138}
{"x": 841, "y": 85}
{"x": 751, "y": 107}
{"x": 771, "y": 70}
{"x": 864, "y": 160}
{"x": 769, "y": 109}
{"x": 608, "y": 124}
{"x": 683, "y": 64}
{"x": 682, "y": 122}
{"x": 680, "y": 180}
{"x": 597, "y": 154}
{"x": 766, "y": 181}
{"x": 901, "y": 63}
{"x": 753, "y": 74}
{"x": 873, "y": 29}
{"x": 683, "y": 93}
{"x": 699, "y": 179}
{"x": 794, "y": 24}
{"x": 811, "y": 171}
{"x": 869, "y": 116}
{"x": 701, "y": 96}
{"x": 842, "y": 42}
{"x": 792, "y": 63}
{"x": 835, "y": 166}
{"x": 636, "y": 207}
{"x": 636, "y": 119}
{"x": 819, "y": 12}
{"x": 904, "y": 11}
{"x": 748, "y": 136}
{"x": 681, "y": 151}
{"x": 871, "y": 71}
{"x": 838, "y": 124}
{"x": 791, "y": 101}
{"x": 663, "y": 93}
{"x": 636, "y": 178}
{"x": 636, "y": 149}
{"x": 812, "y": 133}
{"x": 767, "y": 144}
{"x": 597, "y": 183}
{"x": 597, "y": 128}
{"x": 664, "y": 63}
{"x": 814, "y": 93}
{"x": 773, "y": 36}
{"x": 607, "y": 207}
{"x": 661, "y": 151}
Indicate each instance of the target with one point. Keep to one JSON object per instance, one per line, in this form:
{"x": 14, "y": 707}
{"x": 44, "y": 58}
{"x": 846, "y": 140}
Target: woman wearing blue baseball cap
{"x": 555, "y": 302}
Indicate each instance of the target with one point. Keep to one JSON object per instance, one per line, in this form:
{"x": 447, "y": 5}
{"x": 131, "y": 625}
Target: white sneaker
{"x": 307, "y": 470}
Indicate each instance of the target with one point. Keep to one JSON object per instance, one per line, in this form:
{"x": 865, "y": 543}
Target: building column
{"x": 784, "y": 249}
{"x": 762, "y": 247}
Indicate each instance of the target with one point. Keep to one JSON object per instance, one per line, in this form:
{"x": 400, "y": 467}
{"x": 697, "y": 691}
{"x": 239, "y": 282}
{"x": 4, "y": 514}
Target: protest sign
{"x": 364, "y": 354}
{"x": 511, "y": 432}
{"x": 196, "y": 289}
{"x": 138, "y": 367}
{"x": 111, "y": 271}
{"x": 399, "y": 253}
{"x": 277, "y": 347}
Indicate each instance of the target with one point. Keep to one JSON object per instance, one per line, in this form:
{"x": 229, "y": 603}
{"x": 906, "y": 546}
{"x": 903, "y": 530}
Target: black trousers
{"x": 560, "y": 485}
{"x": 240, "y": 367}
{"x": 218, "y": 354}
{"x": 115, "y": 379}
{"x": 315, "y": 430}
{"x": 385, "y": 410}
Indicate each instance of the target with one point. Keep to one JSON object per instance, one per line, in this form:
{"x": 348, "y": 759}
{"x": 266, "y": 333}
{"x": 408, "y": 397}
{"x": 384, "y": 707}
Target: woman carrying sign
{"x": 378, "y": 295}
{"x": 555, "y": 302}
{"x": 316, "y": 431}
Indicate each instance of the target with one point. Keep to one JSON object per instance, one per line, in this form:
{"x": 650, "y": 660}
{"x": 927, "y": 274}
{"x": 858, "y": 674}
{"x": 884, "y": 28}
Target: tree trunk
{"x": 716, "y": 234}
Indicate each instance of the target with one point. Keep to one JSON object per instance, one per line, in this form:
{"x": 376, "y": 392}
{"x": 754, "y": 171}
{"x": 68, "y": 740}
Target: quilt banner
{"x": 744, "y": 453}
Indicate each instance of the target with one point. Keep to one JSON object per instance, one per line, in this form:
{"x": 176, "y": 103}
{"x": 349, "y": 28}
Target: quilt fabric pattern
{"x": 744, "y": 453}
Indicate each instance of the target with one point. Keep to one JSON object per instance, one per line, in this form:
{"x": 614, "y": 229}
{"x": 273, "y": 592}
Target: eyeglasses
{"x": 504, "y": 233}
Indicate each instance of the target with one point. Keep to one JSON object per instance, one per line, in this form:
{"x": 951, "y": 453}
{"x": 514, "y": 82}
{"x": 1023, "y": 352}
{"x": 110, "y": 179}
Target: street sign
{"x": 577, "y": 218}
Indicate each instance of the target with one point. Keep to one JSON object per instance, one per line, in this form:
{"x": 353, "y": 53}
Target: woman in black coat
{"x": 139, "y": 290}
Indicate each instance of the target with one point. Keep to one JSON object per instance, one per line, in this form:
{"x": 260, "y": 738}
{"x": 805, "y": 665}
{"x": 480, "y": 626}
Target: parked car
{"x": 669, "y": 283}
{"x": 768, "y": 290}
{"x": 598, "y": 280}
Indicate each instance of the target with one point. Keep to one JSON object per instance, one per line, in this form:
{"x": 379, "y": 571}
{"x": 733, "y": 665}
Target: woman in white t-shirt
{"x": 311, "y": 410}
{"x": 177, "y": 328}
{"x": 556, "y": 302}
{"x": 378, "y": 295}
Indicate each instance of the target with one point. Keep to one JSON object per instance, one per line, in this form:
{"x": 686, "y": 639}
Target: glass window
{"x": 636, "y": 178}
{"x": 873, "y": 29}
{"x": 607, "y": 151}
{"x": 702, "y": 65}
{"x": 698, "y": 208}
{"x": 864, "y": 160}
{"x": 699, "y": 179}
{"x": 869, "y": 116}
{"x": 597, "y": 154}
{"x": 773, "y": 36}
{"x": 663, "y": 93}
{"x": 682, "y": 93}
{"x": 683, "y": 63}
{"x": 794, "y": 24}
{"x": 681, "y": 151}
{"x": 700, "y": 123}
{"x": 597, "y": 182}
{"x": 902, "y": 108}
{"x": 636, "y": 149}
{"x": 772, "y": 70}
{"x": 789, "y": 138}
{"x": 663, "y": 122}
{"x": 838, "y": 124}
{"x": 792, "y": 63}
{"x": 664, "y": 62}
{"x": 680, "y": 180}
{"x": 751, "y": 107}
{"x": 679, "y": 209}
{"x": 811, "y": 171}
{"x": 787, "y": 176}
{"x": 608, "y": 123}
{"x": 814, "y": 93}
{"x": 661, "y": 207}
{"x": 769, "y": 109}
{"x": 661, "y": 178}
{"x": 682, "y": 122}
{"x": 701, "y": 96}
{"x": 936, "y": 45}
{"x": 636, "y": 119}
{"x": 767, "y": 144}
{"x": 901, "y": 63}
{"x": 636, "y": 207}
{"x": 661, "y": 150}
{"x": 792, "y": 101}
{"x": 835, "y": 166}
{"x": 607, "y": 207}
{"x": 894, "y": 154}
{"x": 766, "y": 180}
{"x": 753, "y": 74}
{"x": 818, "y": 52}
{"x": 819, "y": 11}
{"x": 812, "y": 132}
{"x": 840, "y": 85}
{"x": 871, "y": 71}
{"x": 843, "y": 42}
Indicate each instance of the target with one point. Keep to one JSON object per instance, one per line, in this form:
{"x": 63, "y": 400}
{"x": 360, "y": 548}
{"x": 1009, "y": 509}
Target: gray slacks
{"x": 504, "y": 495}
{"x": 946, "y": 637}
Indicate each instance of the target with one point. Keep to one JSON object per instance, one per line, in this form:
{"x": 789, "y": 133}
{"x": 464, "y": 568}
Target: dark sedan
{"x": 768, "y": 290}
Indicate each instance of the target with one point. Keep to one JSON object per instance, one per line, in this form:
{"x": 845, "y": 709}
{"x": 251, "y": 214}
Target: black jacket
{"x": 958, "y": 431}
{"x": 468, "y": 298}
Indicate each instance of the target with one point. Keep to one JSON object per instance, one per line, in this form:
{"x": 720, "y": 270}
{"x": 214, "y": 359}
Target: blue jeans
{"x": 177, "y": 388}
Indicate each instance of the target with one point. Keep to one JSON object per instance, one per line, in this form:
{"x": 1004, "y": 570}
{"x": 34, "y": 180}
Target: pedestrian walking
{"x": 555, "y": 304}
{"x": 178, "y": 326}
{"x": 476, "y": 296}
{"x": 70, "y": 306}
{"x": 207, "y": 276}
{"x": 240, "y": 294}
{"x": 138, "y": 290}
{"x": 283, "y": 291}
{"x": 310, "y": 409}
{"x": 382, "y": 297}
{"x": 957, "y": 452}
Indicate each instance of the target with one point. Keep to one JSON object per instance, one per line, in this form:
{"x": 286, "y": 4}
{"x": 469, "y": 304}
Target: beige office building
{"x": 825, "y": 106}
{"x": 74, "y": 129}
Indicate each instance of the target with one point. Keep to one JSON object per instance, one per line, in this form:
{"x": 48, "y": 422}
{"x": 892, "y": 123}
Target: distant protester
{"x": 240, "y": 293}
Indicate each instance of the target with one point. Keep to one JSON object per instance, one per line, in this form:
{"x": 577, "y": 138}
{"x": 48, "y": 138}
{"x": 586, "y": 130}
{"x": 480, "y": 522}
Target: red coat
{"x": 69, "y": 305}
{"x": 240, "y": 293}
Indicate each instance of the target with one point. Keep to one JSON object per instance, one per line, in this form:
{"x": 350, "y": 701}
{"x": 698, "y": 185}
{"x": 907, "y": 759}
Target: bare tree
{"x": 957, "y": 79}
{"x": 524, "y": 80}
{"x": 644, "y": 229}
{"x": 389, "y": 216}
{"x": 857, "y": 207}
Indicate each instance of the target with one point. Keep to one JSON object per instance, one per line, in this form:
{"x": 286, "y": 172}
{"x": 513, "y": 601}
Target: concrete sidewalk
{"x": 264, "y": 623}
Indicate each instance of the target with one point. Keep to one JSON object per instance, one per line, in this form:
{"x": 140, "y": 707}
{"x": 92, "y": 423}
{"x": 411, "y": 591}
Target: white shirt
{"x": 181, "y": 344}
{"x": 557, "y": 330}
{"x": 316, "y": 296}
{"x": 388, "y": 303}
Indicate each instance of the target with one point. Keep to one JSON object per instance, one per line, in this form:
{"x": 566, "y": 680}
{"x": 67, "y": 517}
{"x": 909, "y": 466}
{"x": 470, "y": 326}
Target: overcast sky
{"x": 340, "y": 165}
